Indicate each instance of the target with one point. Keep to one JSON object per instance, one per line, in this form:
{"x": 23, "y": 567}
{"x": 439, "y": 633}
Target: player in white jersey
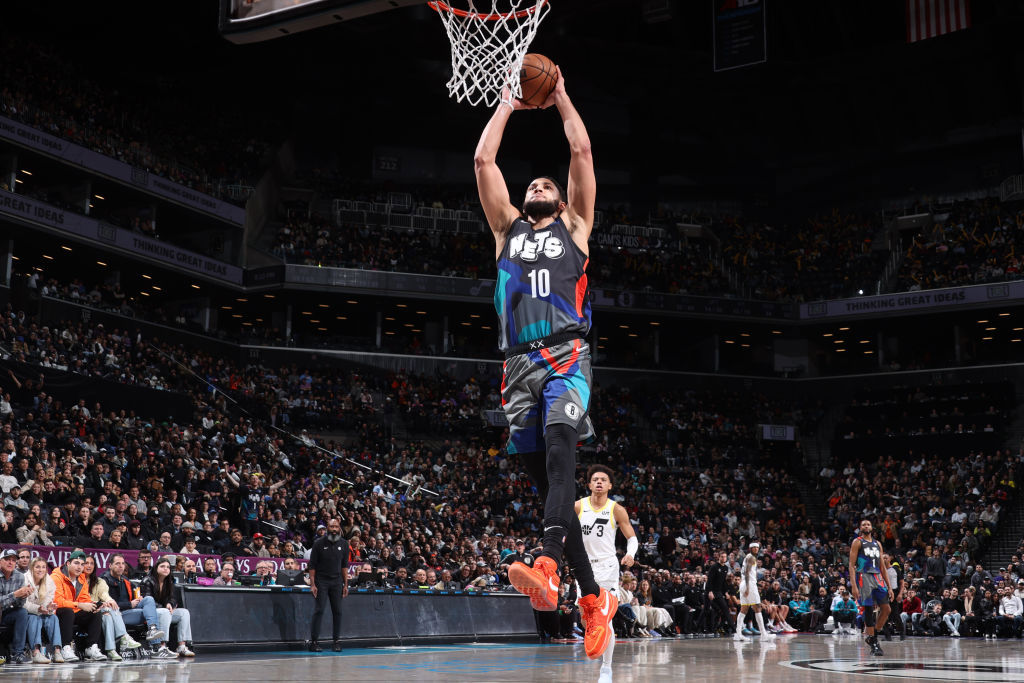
{"x": 749, "y": 596}
{"x": 599, "y": 518}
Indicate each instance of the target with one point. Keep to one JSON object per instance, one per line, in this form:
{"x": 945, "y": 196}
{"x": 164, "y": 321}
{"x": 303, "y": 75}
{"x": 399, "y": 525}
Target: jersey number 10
{"x": 540, "y": 283}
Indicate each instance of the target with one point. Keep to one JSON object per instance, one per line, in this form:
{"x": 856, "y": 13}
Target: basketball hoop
{"x": 488, "y": 45}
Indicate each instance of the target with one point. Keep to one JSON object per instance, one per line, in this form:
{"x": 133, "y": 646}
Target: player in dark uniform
{"x": 544, "y": 315}
{"x": 870, "y": 583}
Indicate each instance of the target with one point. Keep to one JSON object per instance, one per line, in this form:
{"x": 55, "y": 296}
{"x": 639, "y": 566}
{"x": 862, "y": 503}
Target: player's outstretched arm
{"x": 582, "y": 187}
{"x": 490, "y": 182}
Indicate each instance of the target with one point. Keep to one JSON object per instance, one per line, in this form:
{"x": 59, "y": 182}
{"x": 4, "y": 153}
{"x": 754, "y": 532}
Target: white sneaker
{"x": 164, "y": 653}
{"x": 69, "y": 654}
{"x": 740, "y": 638}
{"x": 57, "y": 657}
{"x": 129, "y": 643}
{"x": 956, "y": 634}
{"x": 113, "y": 656}
{"x": 93, "y": 654}
{"x": 606, "y": 674}
{"x": 767, "y": 635}
{"x": 183, "y": 651}
{"x": 40, "y": 657}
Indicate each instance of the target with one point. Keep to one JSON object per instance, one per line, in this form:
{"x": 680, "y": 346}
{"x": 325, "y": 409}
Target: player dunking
{"x": 870, "y": 584}
{"x": 544, "y": 315}
{"x": 750, "y": 597}
{"x": 599, "y": 518}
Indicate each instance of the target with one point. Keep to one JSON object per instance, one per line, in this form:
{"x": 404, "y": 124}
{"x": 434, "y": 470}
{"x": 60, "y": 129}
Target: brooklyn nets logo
{"x": 1011, "y": 669}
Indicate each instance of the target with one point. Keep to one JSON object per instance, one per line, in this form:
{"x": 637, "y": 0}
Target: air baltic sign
{"x": 40, "y": 213}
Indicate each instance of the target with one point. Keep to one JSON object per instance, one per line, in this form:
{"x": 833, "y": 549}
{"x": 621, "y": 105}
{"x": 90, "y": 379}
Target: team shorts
{"x": 606, "y": 573}
{"x": 872, "y": 592}
{"x": 749, "y": 597}
{"x": 544, "y": 387}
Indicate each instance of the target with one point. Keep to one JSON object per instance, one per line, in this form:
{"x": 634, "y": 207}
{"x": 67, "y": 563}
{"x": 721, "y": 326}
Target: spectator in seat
{"x": 189, "y": 547}
{"x": 14, "y": 499}
{"x": 267, "y": 573}
{"x": 844, "y": 611}
{"x": 33, "y": 533}
{"x": 446, "y": 582}
{"x": 134, "y": 609}
{"x": 932, "y": 623}
{"x": 115, "y": 635}
{"x": 822, "y": 603}
{"x": 210, "y": 568}
{"x": 222, "y": 534}
{"x": 987, "y": 611}
{"x": 116, "y": 540}
{"x": 227, "y": 575}
{"x": 24, "y": 560}
{"x": 8, "y": 527}
{"x": 42, "y": 615}
{"x": 258, "y": 547}
{"x": 808, "y": 619}
{"x": 912, "y": 611}
{"x": 464, "y": 577}
{"x": 971, "y": 621}
{"x": 657, "y": 619}
{"x": 189, "y": 573}
{"x": 95, "y": 539}
{"x": 292, "y": 575}
{"x": 164, "y": 543}
{"x": 76, "y": 609}
{"x": 401, "y": 578}
{"x": 145, "y": 565}
{"x": 13, "y": 592}
{"x": 979, "y": 576}
{"x": 954, "y": 568}
{"x": 952, "y": 611}
{"x": 236, "y": 545}
{"x": 1011, "y": 614}
{"x": 935, "y": 568}
{"x": 135, "y": 539}
{"x": 160, "y": 586}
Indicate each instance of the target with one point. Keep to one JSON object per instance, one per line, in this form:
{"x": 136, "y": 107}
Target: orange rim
{"x": 439, "y": 6}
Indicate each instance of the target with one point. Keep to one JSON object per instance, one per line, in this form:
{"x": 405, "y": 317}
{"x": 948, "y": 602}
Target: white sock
{"x": 760, "y": 622}
{"x": 740, "y": 616}
{"x": 606, "y": 658}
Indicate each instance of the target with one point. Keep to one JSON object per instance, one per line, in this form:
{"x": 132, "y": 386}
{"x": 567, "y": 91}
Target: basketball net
{"x": 488, "y": 45}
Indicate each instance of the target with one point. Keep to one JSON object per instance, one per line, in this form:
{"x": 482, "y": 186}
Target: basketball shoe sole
{"x": 539, "y": 583}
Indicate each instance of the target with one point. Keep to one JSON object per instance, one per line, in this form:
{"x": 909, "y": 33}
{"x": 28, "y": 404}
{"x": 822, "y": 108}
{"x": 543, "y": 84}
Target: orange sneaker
{"x": 597, "y": 613}
{"x": 540, "y": 582}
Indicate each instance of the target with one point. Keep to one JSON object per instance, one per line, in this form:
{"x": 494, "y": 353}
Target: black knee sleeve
{"x": 869, "y": 617}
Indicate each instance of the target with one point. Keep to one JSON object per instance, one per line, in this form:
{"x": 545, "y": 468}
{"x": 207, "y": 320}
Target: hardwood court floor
{"x": 791, "y": 658}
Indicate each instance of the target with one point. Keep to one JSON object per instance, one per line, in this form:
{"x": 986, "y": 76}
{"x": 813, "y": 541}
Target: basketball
{"x": 538, "y": 78}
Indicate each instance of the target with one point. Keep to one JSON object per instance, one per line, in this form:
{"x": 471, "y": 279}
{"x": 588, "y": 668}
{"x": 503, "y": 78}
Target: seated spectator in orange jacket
{"x": 76, "y": 610}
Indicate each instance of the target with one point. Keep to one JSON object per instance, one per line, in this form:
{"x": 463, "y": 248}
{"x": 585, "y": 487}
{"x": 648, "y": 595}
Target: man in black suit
{"x": 718, "y": 573}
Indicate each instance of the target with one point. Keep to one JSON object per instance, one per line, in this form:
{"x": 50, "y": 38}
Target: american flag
{"x": 930, "y": 18}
